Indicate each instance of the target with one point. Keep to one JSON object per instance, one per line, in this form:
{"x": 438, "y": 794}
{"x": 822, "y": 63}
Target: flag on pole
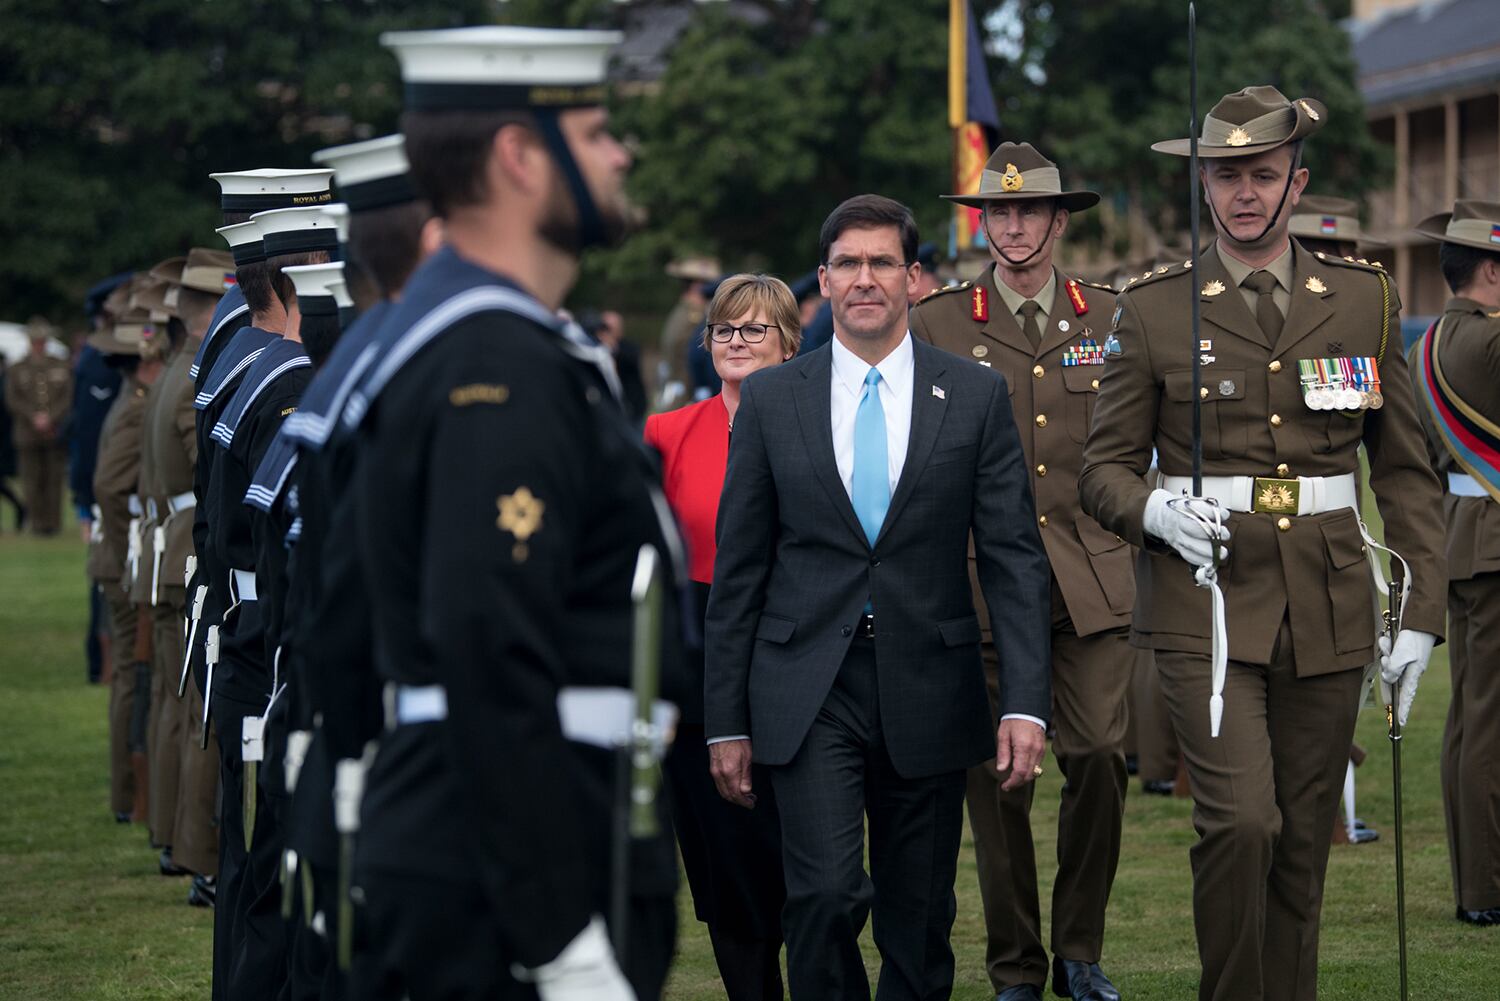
{"x": 972, "y": 115}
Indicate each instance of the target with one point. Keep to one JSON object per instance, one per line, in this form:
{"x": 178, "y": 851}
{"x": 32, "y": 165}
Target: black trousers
{"x": 733, "y": 862}
{"x": 842, "y": 775}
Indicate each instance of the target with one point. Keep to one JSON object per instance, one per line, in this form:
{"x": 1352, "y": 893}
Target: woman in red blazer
{"x": 732, "y": 856}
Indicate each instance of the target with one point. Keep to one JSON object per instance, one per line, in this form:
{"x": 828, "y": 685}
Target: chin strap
{"x": 1029, "y": 257}
{"x": 590, "y": 225}
{"x": 1208, "y": 576}
{"x": 1271, "y": 224}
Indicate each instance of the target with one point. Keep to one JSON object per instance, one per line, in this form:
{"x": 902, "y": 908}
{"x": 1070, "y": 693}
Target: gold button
{"x": 1041, "y": 469}
{"x": 1282, "y": 469}
{"x": 1284, "y": 523}
{"x": 1042, "y": 521}
{"x": 1275, "y": 366}
{"x": 1041, "y": 420}
{"x": 1038, "y": 371}
{"x": 1276, "y": 420}
{"x": 1095, "y": 383}
{"x": 1203, "y": 393}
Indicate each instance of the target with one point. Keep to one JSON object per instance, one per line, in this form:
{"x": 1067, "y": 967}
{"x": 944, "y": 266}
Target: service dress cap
{"x": 371, "y": 174}
{"x": 245, "y": 244}
{"x": 273, "y": 188}
{"x": 210, "y": 271}
{"x": 1251, "y": 121}
{"x": 1324, "y": 217}
{"x": 1471, "y": 224}
{"x": 1017, "y": 171}
{"x": 338, "y": 213}
{"x": 297, "y": 231}
{"x": 318, "y": 287}
{"x": 496, "y": 67}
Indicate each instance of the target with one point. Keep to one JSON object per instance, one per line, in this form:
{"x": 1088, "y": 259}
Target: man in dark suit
{"x": 841, "y": 635}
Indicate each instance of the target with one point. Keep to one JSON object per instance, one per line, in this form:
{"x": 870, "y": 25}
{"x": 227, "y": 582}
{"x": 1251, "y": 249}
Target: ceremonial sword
{"x": 1393, "y": 726}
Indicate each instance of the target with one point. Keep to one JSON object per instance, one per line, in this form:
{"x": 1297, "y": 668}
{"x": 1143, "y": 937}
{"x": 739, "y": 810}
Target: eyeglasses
{"x": 848, "y": 268}
{"x": 752, "y": 333}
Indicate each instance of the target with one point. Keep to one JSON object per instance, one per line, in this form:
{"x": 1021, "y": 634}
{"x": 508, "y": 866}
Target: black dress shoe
{"x": 1158, "y": 787}
{"x": 1081, "y": 981}
{"x": 167, "y": 866}
{"x": 203, "y": 892}
{"x": 1363, "y": 835}
{"x": 1486, "y": 918}
{"x": 1020, "y": 992}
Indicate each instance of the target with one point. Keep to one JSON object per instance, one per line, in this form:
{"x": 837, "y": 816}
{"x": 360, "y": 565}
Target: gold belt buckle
{"x": 1273, "y": 496}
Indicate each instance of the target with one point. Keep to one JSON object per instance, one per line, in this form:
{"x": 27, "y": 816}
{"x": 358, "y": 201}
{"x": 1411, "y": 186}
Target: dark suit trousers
{"x": 842, "y": 774}
{"x": 1090, "y": 675}
{"x": 1265, "y": 793}
{"x": 1471, "y": 742}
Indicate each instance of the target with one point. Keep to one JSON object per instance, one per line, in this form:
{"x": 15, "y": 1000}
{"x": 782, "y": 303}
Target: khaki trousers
{"x": 167, "y": 730}
{"x": 42, "y": 468}
{"x": 195, "y": 824}
{"x": 1265, "y": 793}
{"x": 1471, "y": 742}
{"x": 122, "y": 618}
{"x": 1090, "y": 676}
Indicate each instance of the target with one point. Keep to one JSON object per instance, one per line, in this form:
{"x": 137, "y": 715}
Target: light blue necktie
{"x": 870, "y": 486}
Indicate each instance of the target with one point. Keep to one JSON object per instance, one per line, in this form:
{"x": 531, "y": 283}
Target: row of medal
{"x": 1086, "y": 352}
{"x": 1340, "y": 383}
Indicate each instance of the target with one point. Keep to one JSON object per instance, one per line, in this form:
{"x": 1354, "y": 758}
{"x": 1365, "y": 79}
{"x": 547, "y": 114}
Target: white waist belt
{"x": 1464, "y": 485}
{"x": 603, "y": 717}
{"x": 182, "y": 502}
{"x": 244, "y": 584}
{"x": 1316, "y": 494}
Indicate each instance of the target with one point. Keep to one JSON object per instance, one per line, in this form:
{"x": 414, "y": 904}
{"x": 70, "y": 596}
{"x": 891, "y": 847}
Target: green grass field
{"x": 83, "y": 914}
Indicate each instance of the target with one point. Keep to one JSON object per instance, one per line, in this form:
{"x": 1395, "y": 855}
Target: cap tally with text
{"x": 1017, "y": 171}
{"x": 244, "y": 242}
{"x": 1324, "y": 217}
{"x": 210, "y": 271}
{"x": 1251, "y": 121}
{"x": 496, "y": 67}
{"x": 297, "y": 231}
{"x": 372, "y": 174}
{"x": 1471, "y": 224}
{"x": 316, "y": 295}
{"x": 272, "y": 188}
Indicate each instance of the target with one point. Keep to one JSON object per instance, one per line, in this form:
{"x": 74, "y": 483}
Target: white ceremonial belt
{"x": 1313, "y": 494}
{"x": 184, "y": 501}
{"x": 417, "y": 704}
{"x": 1464, "y": 485}
{"x": 244, "y": 584}
{"x": 605, "y": 717}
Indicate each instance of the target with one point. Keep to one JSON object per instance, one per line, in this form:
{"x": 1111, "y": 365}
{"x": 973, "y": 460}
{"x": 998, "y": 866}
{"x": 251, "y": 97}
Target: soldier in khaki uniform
{"x": 1280, "y": 455}
{"x": 113, "y": 558}
{"x": 687, "y": 314}
{"x": 39, "y": 393}
{"x": 1456, "y": 367}
{"x": 1045, "y": 332}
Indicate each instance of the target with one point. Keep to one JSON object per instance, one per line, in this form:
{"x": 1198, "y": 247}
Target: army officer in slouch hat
{"x": 1302, "y": 364}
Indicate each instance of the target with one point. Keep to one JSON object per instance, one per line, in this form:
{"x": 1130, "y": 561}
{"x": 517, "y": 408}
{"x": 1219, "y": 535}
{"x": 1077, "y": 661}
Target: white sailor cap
{"x": 315, "y": 285}
{"x": 495, "y": 67}
{"x": 297, "y": 231}
{"x": 244, "y": 242}
{"x": 272, "y": 188}
{"x": 339, "y": 213}
{"x": 371, "y": 174}
{"x": 340, "y": 290}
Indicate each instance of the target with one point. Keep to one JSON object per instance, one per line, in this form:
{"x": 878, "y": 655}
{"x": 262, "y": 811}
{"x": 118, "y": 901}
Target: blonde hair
{"x": 757, "y": 294}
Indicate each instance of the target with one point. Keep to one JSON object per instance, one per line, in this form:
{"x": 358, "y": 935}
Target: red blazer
{"x": 694, "y": 447}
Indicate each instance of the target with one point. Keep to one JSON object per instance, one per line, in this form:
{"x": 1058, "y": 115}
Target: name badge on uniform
{"x": 1347, "y": 384}
{"x": 1085, "y": 352}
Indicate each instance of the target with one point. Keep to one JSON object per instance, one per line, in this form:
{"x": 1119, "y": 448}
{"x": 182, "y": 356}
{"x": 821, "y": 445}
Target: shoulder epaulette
{"x": 1357, "y": 263}
{"x": 1098, "y": 285}
{"x": 1160, "y": 272}
{"x": 944, "y": 290}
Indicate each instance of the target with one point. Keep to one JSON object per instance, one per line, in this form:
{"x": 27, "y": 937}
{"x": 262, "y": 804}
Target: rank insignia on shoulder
{"x": 478, "y": 392}
{"x": 1075, "y": 296}
{"x": 521, "y": 516}
{"x": 1112, "y": 347}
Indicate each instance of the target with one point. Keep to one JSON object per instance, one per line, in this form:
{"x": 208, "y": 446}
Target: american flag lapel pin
{"x": 938, "y": 392}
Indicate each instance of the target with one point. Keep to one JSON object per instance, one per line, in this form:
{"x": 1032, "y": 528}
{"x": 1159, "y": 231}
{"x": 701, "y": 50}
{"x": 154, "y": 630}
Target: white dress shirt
{"x": 848, "y": 387}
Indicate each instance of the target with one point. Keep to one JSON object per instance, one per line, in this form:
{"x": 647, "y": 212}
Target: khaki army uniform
{"x": 109, "y": 565}
{"x": 40, "y": 386}
{"x": 1471, "y": 739}
{"x": 1300, "y": 609}
{"x": 1053, "y": 387}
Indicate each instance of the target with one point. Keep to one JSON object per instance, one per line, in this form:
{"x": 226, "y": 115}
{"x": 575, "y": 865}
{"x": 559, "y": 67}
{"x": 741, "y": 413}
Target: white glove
{"x": 584, "y": 971}
{"x": 1180, "y": 530}
{"x": 1404, "y": 664}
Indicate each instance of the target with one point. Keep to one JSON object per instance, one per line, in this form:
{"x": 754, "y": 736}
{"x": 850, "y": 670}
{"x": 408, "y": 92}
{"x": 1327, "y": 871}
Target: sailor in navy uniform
{"x": 500, "y": 500}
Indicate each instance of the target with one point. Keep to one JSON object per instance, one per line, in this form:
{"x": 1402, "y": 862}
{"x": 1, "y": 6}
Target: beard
{"x": 560, "y": 222}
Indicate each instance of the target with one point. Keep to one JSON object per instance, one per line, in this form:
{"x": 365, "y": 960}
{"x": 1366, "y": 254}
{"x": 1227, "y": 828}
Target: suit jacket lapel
{"x": 816, "y": 420}
{"x": 1225, "y": 308}
{"x": 1309, "y": 309}
{"x": 927, "y": 411}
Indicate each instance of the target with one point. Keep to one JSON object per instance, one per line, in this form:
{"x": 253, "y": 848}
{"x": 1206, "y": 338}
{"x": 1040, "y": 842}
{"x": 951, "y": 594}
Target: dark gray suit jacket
{"x": 794, "y": 569}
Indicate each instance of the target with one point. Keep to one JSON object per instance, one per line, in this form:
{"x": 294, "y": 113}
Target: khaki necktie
{"x": 1030, "y": 328}
{"x": 1267, "y": 313}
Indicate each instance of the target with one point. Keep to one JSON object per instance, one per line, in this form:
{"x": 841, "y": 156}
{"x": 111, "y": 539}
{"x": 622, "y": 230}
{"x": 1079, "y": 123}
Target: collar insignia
{"x": 1315, "y": 284}
{"x": 1213, "y": 287}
